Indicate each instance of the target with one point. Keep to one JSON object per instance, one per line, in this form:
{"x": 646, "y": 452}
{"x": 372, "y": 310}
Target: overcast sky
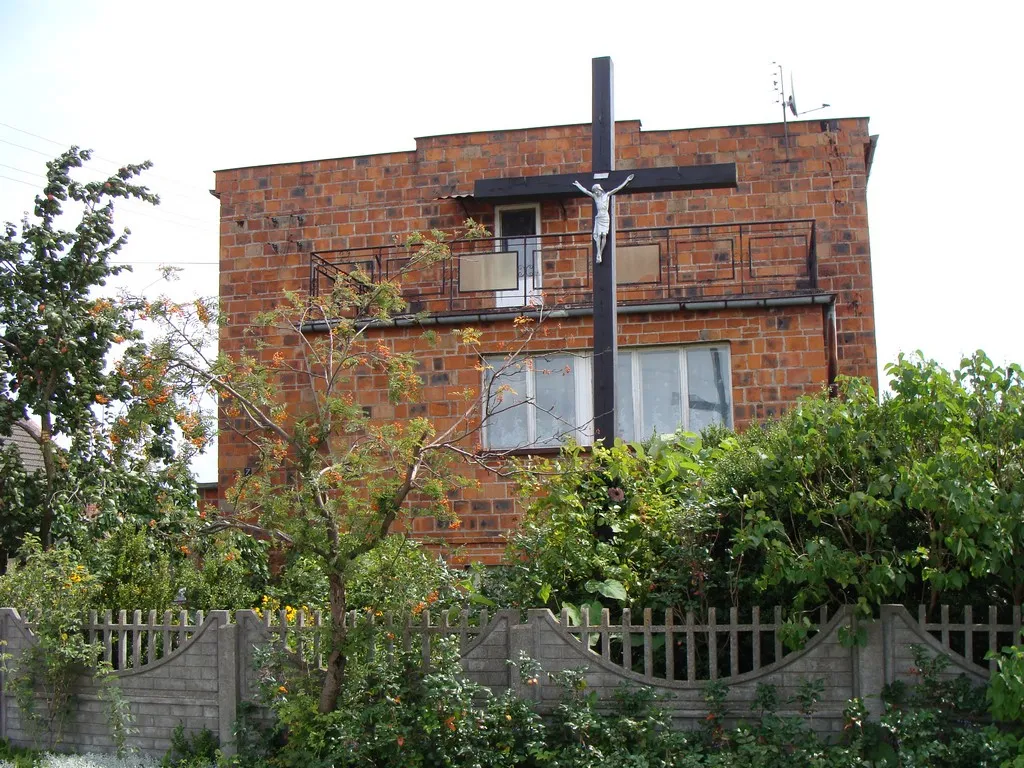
{"x": 201, "y": 86}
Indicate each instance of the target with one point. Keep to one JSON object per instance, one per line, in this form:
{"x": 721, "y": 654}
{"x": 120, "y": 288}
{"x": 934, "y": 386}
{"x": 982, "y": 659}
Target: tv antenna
{"x": 788, "y": 102}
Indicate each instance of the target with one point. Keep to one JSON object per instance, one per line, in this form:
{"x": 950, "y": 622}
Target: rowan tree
{"x": 325, "y": 478}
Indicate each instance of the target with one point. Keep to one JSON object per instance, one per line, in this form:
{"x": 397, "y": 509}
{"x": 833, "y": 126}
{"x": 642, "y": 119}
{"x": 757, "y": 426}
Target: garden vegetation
{"x": 916, "y": 497}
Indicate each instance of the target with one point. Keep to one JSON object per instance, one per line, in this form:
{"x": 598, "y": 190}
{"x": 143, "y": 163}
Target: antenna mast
{"x": 780, "y": 90}
{"x": 788, "y": 103}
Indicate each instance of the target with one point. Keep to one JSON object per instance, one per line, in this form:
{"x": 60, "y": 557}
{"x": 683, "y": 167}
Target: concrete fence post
{"x": 227, "y": 676}
{"x": 525, "y": 638}
{"x": 869, "y": 664}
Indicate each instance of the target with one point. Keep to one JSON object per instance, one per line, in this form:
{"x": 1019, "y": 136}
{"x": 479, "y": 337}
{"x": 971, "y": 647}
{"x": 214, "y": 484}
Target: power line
{"x": 27, "y": 149}
{"x": 128, "y": 203}
{"x": 20, "y": 181}
{"x": 162, "y": 209}
{"x": 97, "y": 175}
{"x": 168, "y": 263}
{"x": 186, "y": 184}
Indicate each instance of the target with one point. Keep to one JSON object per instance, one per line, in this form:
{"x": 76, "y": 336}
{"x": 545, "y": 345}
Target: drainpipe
{"x": 828, "y": 315}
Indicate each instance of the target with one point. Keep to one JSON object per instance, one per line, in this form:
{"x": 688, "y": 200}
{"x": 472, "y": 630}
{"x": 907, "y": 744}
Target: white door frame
{"x": 530, "y": 280}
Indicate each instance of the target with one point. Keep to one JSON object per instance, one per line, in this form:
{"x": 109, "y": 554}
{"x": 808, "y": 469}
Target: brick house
{"x": 732, "y": 302}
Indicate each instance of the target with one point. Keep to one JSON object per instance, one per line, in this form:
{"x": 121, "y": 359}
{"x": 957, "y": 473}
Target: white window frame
{"x": 529, "y": 285}
{"x": 684, "y": 383}
{"x": 582, "y": 378}
{"x": 583, "y": 383}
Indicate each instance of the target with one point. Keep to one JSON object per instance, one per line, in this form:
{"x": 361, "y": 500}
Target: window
{"x": 538, "y": 402}
{"x": 661, "y": 389}
{"x": 546, "y": 400}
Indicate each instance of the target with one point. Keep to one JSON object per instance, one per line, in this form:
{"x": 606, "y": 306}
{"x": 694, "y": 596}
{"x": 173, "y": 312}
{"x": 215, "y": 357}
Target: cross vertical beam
{"x": 606, "y": 348}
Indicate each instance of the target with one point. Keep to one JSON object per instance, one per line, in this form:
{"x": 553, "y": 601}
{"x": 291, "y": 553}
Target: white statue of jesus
{"x": 602, "y": 218}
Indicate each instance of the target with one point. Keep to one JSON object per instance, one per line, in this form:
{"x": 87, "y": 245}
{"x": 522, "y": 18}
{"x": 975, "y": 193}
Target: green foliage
{"x": 326, "y": 479}
{"x": 392, "y": 714}
{"x": 1006, "y": 687}
{"x": 917, "y": 498}
{"x": 21, "y": 493}
{"x": 198, "y": 749}
{"x": 400, "y": 576}
{"x": 933, "y": 723}
{"x": 133, "y": 571}
{"x": 226, "y": 570}
{"x": 58, "y": 334}
{"x": 18, "y": 757}
{"x": 615, "y": 527}
{"x": 52, "y": 588}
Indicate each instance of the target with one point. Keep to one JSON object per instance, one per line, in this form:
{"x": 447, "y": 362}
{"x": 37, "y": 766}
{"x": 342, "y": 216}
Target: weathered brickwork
{"x": 274, "y": 217}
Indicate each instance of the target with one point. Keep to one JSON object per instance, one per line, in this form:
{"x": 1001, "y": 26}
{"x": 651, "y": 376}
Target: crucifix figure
{"x": 560, "y": 186}
{"x": 602, "y": 216}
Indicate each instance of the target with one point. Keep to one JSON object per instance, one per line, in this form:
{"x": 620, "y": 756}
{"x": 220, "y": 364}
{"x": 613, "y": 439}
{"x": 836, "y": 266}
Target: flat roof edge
{"x": 530, "y": 128}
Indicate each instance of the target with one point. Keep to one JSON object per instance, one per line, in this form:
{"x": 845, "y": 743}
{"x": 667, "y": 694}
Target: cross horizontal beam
{"x": 518, "y": 188}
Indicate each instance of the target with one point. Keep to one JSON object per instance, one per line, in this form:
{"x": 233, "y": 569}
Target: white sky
{"x": 201, "y": 86}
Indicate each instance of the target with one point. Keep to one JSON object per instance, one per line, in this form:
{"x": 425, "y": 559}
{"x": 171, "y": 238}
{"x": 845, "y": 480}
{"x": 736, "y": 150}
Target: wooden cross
{"x": 532, "y": 188}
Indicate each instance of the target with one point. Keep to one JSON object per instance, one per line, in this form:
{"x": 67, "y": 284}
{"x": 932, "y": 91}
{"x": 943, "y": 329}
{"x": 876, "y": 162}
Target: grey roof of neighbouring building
{"x": 22, "y": 436}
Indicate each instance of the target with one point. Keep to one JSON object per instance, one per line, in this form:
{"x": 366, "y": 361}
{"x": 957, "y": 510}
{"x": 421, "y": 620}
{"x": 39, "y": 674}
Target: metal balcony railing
{"x": 665, "y": 264}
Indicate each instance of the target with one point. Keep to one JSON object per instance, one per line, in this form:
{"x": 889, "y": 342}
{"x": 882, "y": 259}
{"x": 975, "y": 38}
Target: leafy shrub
{"x": 394, "y": 714}
{"x": 224, "y": 571}
{"x": 621, "y": 526}
{"x": 133, "y": 571}
{"x": 401, "y": 575}
{"x": 191, "y": 750}
{"x": 1006, "y": 687}
{"x": 917, "y": 498}
{"x": 51, "y": 588}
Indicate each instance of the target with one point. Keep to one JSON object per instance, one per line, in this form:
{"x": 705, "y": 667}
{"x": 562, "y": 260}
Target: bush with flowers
{"x": 226, "y": 570}
{"x": 52, "y": 589}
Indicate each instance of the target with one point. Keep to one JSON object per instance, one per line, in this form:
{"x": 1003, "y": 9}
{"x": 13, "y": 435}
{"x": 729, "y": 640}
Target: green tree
{"x": 917, "y": 497}
{"x": 57, "y": 333}
{"x": 326, "y": 479}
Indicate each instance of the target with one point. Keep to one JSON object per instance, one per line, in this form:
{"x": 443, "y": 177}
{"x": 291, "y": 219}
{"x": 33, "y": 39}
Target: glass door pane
{"x": 517, "y": 228}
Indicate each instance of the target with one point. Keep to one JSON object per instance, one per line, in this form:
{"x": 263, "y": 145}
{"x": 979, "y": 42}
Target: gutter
{"x": 407, "y": 321}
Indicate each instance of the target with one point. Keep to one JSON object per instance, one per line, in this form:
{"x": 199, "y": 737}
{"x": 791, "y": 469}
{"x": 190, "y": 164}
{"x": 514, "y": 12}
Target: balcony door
{"x": 517, "y": 227}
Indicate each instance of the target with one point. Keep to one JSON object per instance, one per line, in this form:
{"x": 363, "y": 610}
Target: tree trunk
{"x": 335, "y": 676}
{"x": 50, "y": 468}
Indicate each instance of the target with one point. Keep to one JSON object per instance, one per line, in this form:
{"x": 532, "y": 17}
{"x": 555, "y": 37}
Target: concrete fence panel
{"x": 195, "y": 670}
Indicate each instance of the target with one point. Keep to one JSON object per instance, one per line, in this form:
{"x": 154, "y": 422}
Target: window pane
{"x": 708, "y": 391}
{"x": 659, "y": 388}
{"x": 507, "y": 425}
{"x": 624, "y": 427}
{"x": 555, "y": 387}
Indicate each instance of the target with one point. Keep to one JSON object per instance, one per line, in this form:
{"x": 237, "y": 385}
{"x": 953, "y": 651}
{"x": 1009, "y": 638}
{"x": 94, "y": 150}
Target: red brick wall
{"x": 273, "y": 217}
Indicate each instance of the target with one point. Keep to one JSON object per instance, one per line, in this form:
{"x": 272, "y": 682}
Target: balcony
{"x": 712, "y": 265}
